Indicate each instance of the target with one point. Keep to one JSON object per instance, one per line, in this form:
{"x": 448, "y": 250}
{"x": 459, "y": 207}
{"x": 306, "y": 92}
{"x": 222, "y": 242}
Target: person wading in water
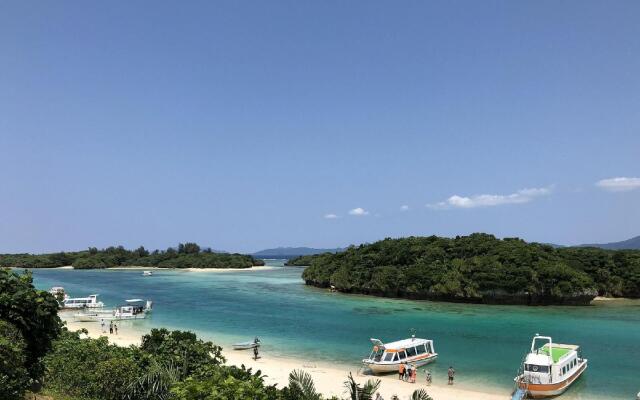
{"x": 451, "y": 372}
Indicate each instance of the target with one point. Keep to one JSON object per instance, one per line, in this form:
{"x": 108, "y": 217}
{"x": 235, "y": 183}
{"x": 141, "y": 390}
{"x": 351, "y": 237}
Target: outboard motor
{"x": 149, "y": 305}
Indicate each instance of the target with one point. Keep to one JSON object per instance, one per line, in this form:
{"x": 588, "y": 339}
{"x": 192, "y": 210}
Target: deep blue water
{"x": 484, "y": 343}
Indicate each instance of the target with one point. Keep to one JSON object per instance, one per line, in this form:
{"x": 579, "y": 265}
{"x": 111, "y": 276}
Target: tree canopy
{"x": 187, "y": 255}
{"x": 477, "y": 268}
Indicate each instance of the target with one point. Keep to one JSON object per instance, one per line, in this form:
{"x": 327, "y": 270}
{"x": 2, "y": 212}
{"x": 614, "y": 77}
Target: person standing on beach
{"x": 408, "y": 373}
{"x": 451, "y": 372}
{"x": 102, "y": 325}
{"x": 115, "y": 327}
{"x": 428, "y": 377}
{"x": 255, "y": 353}
{"x": 414, "y": 373}
{"x": 401, "y": 371}
{"x": 110, "y": 327}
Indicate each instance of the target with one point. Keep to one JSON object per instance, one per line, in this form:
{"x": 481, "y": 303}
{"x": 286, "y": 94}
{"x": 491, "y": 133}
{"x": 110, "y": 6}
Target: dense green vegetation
{"x": 187, "y": 255}
{"x": 477, "y": 268}
{"x": 29, "y": 324}
{"x": 302, "y": 261}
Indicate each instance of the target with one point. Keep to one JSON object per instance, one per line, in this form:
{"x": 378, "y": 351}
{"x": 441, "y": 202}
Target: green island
{"x": 186, "y": 255}
{"x": 41, "y": 359}
{"x": 478, "y": 268}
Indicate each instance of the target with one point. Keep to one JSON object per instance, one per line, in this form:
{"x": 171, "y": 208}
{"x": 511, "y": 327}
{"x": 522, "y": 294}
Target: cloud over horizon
{"x": 404, "y": 207}
{"x": 358, "y": 212}
{"x": 330, "y": 216}
{"x": 491, "y": 200}
{"x": 619, "y": 184}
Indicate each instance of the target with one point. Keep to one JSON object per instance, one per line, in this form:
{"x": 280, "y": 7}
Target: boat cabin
{"x": 134, "y": 309}
{"x": 83, "y": 302}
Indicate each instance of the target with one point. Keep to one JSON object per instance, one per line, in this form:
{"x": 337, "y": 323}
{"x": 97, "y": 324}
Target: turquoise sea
{"x": 484, "y": 343}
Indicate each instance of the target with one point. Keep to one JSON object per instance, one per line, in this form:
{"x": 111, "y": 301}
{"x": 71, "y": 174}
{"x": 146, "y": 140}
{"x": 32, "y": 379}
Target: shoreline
{"x": 139, "y": 268}
{"x": 327, "y": 377}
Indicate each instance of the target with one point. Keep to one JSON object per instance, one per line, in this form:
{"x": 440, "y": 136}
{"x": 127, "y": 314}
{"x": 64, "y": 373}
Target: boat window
{"x": 402, "y": 355}
{"x": 420, "y": 349}
{"x": 536, "y": 368}
{"x": 388, "y": 356}
{"x": 411, "y": 351}
{"x": 395, "y": 358}
{"x": 429, "y": 347}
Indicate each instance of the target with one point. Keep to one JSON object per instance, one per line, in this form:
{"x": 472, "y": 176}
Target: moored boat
{"x": 90, "y": 301}
{"x": 250, "y": 344}
{"x": 59, "y": 293}
{"x": 386, "y": 357}
{"x": 549, "y": 370}
{"x": 133, "y": 309}
{"x": 147, "y": 273}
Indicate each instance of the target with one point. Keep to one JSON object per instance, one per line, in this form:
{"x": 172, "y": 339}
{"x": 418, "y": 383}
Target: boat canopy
{"x": 134, "y": 300}
{"x": 400, "y": 344}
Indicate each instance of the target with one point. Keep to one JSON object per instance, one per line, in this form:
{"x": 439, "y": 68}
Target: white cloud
{"x": 490, "y": 200}
{"x": 359, "y": 212}
{"x": 620, "y": 184}
{"x": 330, "y": 216}
{"x": 404, "y": 207}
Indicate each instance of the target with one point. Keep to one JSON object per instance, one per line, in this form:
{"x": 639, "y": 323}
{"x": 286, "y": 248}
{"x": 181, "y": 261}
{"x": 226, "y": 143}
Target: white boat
{"x": 550, "y": 369}
{"x": 250, "y": 344}
{"x": 133, "y": 309}
{"x": 147, "y": 273}
{"x": 59, "y": 293}
{"x": 83, "y": 302}
{"x": 386, "y": 357}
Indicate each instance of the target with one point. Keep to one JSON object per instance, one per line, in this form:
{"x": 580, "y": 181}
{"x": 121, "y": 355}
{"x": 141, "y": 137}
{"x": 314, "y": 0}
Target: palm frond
{"x": 303, "y": 381}
{"x": 420, "y": 394}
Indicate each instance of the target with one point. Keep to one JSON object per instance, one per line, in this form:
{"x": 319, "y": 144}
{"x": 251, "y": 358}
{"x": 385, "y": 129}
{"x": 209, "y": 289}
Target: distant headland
{"x": 478, "y": 268}
{"x": 186, "y": 255}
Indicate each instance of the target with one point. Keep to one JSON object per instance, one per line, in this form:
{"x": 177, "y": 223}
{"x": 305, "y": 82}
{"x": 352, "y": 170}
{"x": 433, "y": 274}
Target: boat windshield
{"x": 536, "y": 368}
{"x": 376, "y": 353}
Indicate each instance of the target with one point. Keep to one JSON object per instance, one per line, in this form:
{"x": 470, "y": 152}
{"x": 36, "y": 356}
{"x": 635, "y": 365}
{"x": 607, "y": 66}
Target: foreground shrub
{"x": 14, "y": 378}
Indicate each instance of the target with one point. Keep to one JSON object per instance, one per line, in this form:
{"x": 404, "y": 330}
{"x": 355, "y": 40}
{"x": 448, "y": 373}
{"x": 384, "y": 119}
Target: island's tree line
{"x": 477, "y": 268}
{"x": 186, "y": 255}
{"x": 39, "y": 354}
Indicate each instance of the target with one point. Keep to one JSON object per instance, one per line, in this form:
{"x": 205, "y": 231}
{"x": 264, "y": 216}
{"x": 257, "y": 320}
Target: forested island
{"x": 478, "y": 268}
{"x": 186, "y": 255}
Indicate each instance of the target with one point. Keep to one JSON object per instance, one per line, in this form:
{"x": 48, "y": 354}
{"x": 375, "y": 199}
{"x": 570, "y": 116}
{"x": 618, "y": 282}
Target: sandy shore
{"x": 260, "y": 268}
{"x": 328, "y": 378}
{"x": 208, "y": 270}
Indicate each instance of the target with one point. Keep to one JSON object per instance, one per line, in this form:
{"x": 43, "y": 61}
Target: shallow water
{"x": 484, "y": 343}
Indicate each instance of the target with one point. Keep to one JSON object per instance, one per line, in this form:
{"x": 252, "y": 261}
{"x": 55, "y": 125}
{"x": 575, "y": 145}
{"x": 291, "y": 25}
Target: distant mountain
{"x": 631, "y": 244}
{"x": 290, "y": 252}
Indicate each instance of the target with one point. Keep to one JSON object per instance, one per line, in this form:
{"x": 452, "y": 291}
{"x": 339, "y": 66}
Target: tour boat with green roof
{"x": 549, "y": 368}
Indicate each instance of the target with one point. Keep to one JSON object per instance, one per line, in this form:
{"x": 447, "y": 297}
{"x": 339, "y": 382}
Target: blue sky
{"x": 243, "y": 125}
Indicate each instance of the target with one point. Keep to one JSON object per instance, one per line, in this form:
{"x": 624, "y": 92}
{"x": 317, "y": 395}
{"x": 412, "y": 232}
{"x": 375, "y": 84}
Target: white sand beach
{"x": 208, "y": 270}
{"x": 328, "y": 378}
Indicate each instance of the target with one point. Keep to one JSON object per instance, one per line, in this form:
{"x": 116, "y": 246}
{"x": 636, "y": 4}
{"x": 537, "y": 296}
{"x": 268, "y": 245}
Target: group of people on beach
{"x": 409, "y": 373}
{"x": 112, "y": 327}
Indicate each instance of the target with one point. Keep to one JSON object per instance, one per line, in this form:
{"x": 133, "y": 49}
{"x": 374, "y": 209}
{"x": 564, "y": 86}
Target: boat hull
{"x": 245, "y": 346}
{"x": 542, "y": 391}
{"x": 388, "y": 367}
